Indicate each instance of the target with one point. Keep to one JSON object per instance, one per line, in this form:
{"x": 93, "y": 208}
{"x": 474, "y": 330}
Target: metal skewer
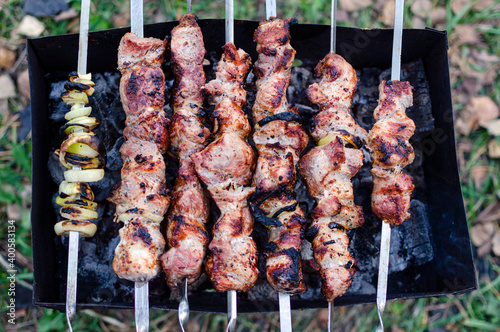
{"x": 74, "y": 237}
{"x": 333, "y": 42}
{"x": 385, "y": 242}
{"x": 183, "y": 309}
{"x": 284, "y": 299}
{"x": 333, "y": 26}
{"x": 141, "y": 289}
{"x": 232, "y": 299}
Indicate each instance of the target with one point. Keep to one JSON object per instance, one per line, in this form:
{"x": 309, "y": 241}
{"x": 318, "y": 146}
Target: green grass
{"x": 477, "y": 311}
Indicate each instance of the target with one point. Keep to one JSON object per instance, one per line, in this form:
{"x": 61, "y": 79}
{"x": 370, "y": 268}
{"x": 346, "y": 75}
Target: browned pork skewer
{"x": 279, "y": 141}
{"x": 391, "y": 151}
{"x": 226, "y": 166}
{"x": 142, "y": 198}
{"x": 327, "y": 170}
{"x": 186, "y": 233}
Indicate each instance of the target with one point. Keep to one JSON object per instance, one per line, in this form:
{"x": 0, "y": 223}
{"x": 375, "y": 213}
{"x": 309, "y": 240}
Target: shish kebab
{"x": 279, "y": 141}
{"x": 328, "y": 168}
{"x": 391, "y": 151}
{"x": 142, "y": 198}
{"x": 226, "y": 166}
{"x": 81, "y": 154}
{"x": 186, "y": 232}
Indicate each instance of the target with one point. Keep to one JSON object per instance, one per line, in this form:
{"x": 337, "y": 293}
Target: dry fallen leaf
{"x": 7, "y": 58}
{"x": 482, "y": 4}
{"x": 494, "y": 149}
{"x": 354, "y": 5}
{"x": 7, "y": 89}
{"x": 121, "y": 20}
{"x": 342, "y": 16}
{"x": 485, "y": 248}
{"x": 496, "y": 243}
{"x": 484, "y": 108}
{"x": 30, "y": 27}
{"x": 482, "y": 233}
{"x": 490, "y": 213}
{"x": 469, "y": 87}
{"x": 322, "y": 317}
{"x": 418, "y": 22}
{"x": 388, "y": 12}
{"x": 493, "y": 127}
{"x": 438, "y": 15}
{"x": 466, "y": 120}
{"x": 466, "y": 34}
{"x": 14, "y": 212}
{"x": 479, "y": 174}
{"x": 23, "y": 83}
{"x": 457, "y": 5}
{"x": 421, "y": 7}
{"x": 66, "y": 15}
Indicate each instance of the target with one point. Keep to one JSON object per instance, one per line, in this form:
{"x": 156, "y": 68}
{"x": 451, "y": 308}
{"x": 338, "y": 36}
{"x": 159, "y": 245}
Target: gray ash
{"x": 410, "y": 245}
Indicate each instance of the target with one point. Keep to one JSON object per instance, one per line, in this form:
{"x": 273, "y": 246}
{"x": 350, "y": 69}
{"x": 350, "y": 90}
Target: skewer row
{"x": 272, "y": 203}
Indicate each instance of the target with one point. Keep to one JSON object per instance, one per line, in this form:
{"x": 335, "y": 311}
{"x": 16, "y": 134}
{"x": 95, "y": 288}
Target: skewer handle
{"x": 183, "y": 312}
{"x": 330, "y": 317}
{"x": 232, "y": 310}
{"x": 383, "y": 271}
{"x": 270, "y": 8}
{"x": 229, "y": 21}
{"x": 74, "y": 238}
{"x": 285, "y": 313}
{"x": 83, "y": 41}
{"x": 333, "y": 26}
{"x": 189, "y": 9}
{"x": 141, "y": 306}
{"x": 137, "y": 18}
{"x": 397, "y": 40}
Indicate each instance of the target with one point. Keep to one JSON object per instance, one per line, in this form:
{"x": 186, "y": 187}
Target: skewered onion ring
{"x": 77, "y": 112}
{"x": 78, "y": 213}
{"x": 73, "y": 201}
{"x": 84, "y": 227}
{"x": 73, "y": 189}
{"x": 84, "y": 175}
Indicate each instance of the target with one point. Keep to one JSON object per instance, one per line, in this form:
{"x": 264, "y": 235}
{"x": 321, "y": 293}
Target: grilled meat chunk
{"x": 136, "y": 256}
{"x": 327, "y": 170}
{"x": 186, "y": 234}
{"x": 273, "y": 68}
{"x": 279, "y": 144}
{"x": 136, "y": 52}
{"x": 143, "y": 183}
{"x": 391, "y": 151}
{"x": 226, "y": 167}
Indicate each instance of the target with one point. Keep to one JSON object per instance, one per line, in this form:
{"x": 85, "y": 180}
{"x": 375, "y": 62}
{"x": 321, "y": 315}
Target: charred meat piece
{"x": 186, "y": 233}
{"x": 142, "y": 197}
{"x": 391, "y": 151}
{"x": 136, "y": 256}
{"x": 327, "y": 170}
{"x": 226, "y": 167}
{"x": 279, "y": 144}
